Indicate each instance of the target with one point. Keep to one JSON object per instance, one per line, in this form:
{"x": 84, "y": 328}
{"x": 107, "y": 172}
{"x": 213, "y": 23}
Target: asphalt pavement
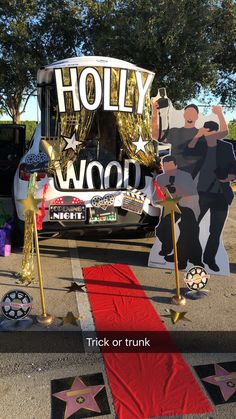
{"x": 25, "y": 378}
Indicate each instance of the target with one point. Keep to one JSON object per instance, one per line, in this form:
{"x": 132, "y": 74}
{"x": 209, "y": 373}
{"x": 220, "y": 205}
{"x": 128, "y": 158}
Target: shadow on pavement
{"x": 232, "y": 268}
{"x": 110, "y": 256}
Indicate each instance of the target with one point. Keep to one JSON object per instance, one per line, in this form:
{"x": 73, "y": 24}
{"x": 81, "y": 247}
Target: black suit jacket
{"x": 225, "y": 165}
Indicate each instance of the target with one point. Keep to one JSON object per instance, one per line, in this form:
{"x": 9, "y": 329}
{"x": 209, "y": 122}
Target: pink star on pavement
{"x": 224, "y": 379}
{"x": 79, "y": 396}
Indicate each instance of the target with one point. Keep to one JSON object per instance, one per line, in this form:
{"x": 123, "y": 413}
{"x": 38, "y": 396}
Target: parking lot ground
{"x": 25, "y": 378}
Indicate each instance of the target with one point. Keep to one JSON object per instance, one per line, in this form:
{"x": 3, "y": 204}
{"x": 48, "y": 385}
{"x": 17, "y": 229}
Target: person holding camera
{"x": 180, "y": 184}
{"x": 183, "y": 140}
{"x": 177, "y": 137}
{"x": 215, "y": 194}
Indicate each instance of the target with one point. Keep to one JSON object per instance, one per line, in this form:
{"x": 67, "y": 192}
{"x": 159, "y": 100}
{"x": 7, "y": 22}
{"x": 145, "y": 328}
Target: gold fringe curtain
{"x": 70, "y": 122}
{"x": 132, "y": 125}
{"x": 78, "y": 122}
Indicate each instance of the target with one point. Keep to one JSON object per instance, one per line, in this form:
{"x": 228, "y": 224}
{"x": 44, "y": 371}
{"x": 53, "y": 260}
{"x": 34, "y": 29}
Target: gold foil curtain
{"x": 70, "y": 122}
{"x": 132, "y": 125}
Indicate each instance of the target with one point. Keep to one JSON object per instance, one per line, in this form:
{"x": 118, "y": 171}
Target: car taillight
{"x": 24, "y": 174}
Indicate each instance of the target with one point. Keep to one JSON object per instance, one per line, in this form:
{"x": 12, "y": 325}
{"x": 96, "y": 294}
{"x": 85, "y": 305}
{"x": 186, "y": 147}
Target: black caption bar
{"x": 122, "y": 341}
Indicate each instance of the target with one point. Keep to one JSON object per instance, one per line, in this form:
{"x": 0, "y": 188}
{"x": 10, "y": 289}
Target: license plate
{"x": 67, "y": 212}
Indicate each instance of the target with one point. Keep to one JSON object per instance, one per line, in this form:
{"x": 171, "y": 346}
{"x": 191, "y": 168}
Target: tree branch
{"x": 25, "y": 104}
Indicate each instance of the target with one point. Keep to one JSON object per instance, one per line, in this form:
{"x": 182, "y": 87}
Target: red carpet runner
{"x": 144, "y": 385}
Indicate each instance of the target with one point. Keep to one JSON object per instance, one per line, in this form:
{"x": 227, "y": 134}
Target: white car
{"x": 98, "y": 209}
{"x": 103, "y": 188}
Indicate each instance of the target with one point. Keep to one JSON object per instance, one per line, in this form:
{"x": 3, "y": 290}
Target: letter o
{"x": 97, "y": 88}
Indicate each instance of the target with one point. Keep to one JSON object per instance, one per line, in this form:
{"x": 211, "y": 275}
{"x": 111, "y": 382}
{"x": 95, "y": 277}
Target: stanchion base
{"x": 178, "y": 300}
{"x": 45, "y": 320}
{"x": 196, "y": 295}
{"x": 16, "y": 325}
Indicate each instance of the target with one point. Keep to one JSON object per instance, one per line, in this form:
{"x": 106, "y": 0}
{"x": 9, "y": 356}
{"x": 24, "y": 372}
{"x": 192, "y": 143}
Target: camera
{"x": 171, "y": 188}
{"x": 163, "y": 101}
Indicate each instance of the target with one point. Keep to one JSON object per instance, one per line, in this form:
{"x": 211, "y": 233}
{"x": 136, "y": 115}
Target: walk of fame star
{"x": 71, "y": 142}
{"x": 79, "y": 396}
{"x": 140, "y": 144}
{"x": 224, "y": 379}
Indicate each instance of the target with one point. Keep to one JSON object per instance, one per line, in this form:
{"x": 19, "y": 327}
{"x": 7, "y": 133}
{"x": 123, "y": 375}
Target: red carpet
{"x": 144, "y": 385}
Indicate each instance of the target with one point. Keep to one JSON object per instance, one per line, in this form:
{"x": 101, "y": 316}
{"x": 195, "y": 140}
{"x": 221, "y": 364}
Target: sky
{"x": 32, "y": 112}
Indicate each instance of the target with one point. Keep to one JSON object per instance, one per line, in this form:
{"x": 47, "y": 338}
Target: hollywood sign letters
{"x": 95, "y": 169}
{"x": 102, "y": 90}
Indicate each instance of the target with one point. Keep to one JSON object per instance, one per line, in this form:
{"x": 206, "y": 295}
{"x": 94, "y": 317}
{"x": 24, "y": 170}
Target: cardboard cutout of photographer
{"x": 200, "y": 172}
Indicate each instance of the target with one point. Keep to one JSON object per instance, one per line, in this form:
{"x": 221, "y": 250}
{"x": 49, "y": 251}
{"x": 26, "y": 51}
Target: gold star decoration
{"x": 30, "y": 203}
{"x": 69, "y": 319}
{"x": 169, "y": 204}
{"x": 48, "y": 150}
{"x": 176, "y": 316}
{"x": 75, "y": 287}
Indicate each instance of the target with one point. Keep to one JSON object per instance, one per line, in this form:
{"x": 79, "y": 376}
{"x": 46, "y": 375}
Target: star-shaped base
{"x": 69, "y": 319}
{"x": 75, "y": 287}
{"x": 176, "y": 316}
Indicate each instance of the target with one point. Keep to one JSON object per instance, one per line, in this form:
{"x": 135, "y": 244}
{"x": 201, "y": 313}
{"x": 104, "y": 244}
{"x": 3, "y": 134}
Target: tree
{"x": 232, "y": 129}
{"x": 224, "y": 42}
{"x": 189, "y": 45}
{"x": 33, "y": 33}
{"x": 15, "y": 56}
{"x": 177, "y": 39}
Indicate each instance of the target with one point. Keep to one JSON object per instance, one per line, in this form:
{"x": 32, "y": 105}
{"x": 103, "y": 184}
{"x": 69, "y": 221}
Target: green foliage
{"x": 232, "y": 130}
{"x": 189, "y": 44}
{"x": 30, "y": 127}
{"x": 33, "y": 33}
{"x": 223, "y": 47}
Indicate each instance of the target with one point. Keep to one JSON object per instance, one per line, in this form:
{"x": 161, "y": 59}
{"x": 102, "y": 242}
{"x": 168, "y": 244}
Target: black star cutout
{"x": 75, "y": 287}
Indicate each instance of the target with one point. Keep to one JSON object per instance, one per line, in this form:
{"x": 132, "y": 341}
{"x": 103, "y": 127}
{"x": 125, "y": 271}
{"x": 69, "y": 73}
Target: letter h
{"x": 73, "y": 88}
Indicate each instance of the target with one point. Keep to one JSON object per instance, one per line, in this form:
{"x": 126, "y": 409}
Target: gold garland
{"x": 132, "y": 125}
{"x": 26, "y": 275}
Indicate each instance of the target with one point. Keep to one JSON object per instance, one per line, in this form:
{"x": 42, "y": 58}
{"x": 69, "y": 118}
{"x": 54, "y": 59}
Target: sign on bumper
{"x": 67, "y": 212}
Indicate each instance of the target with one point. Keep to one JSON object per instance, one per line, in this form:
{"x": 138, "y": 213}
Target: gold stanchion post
{"x": 170, "y": 207}
{"x": 45, "y": 318}
{"x": 30, "y": 204}
{"x": 177, "y": 299}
